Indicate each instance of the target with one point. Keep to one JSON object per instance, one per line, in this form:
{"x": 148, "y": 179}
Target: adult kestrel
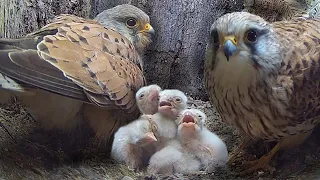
{"x": 264, "y": 77}
{"x": 95, "y": 63}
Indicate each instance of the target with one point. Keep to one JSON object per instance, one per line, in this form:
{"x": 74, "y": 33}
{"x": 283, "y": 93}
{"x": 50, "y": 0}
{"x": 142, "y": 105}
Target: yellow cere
{"x": 231, "y": 38}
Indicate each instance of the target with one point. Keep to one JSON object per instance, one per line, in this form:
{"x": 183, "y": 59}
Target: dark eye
{"x": 131, "y": 22}
{"x": 215, "y": 36}
{"x": 251, "y": 35}
{"x": 178, "y": 99}
{"x": 141, "y": 96}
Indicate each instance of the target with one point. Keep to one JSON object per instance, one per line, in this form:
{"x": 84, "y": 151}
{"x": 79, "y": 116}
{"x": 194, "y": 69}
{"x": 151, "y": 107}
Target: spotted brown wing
{"x": 59, "y": 21}
{"x": 98, "y": 60}
{"x": 300, "y": 70}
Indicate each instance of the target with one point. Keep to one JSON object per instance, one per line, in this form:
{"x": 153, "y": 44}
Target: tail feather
{"x": 9, "y": 84}
{"x": 22, "y": 43}
{"x": 24, "y": 67}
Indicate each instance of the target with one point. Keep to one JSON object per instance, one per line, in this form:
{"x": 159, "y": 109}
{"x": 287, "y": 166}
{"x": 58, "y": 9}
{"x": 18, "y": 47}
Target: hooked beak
{"x": 229, "y": 46}
{"x": 147, "y": 29}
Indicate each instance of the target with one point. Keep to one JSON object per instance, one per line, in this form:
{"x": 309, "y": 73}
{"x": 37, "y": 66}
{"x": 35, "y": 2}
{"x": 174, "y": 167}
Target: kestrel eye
{"x": 251, "y": 35}
{"x": 131, "y": 22}
{"x": 215, "y": 36}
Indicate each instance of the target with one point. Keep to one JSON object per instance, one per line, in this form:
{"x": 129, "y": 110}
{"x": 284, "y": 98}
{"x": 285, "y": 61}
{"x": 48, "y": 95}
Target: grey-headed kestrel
{"x": 264, "y": 77}
{"x": 90, "y": 67}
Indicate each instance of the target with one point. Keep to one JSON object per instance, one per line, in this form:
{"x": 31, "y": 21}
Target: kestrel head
{"x": 129, "y": 21}
{"x": 243, "y": 45}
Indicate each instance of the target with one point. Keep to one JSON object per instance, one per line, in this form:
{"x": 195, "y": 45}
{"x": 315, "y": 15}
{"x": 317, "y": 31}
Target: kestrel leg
{"x": 245, "y": 143}
{"x": 263, "y": 162}
{"x": 285, "y": 143}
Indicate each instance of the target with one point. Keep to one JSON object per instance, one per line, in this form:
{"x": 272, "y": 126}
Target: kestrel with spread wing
{"x": 94, "y": 66}
{"x": 264, "y": 77}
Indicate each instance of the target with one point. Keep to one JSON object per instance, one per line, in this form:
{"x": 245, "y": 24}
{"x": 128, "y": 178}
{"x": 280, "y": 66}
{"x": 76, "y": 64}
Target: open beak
{"x": 165, "y": 104}
{"x": 167, "y": 109}
{"x": 188, "y": 121}
{"x": 229, "y": 46}
{"x": 147, "y": 29}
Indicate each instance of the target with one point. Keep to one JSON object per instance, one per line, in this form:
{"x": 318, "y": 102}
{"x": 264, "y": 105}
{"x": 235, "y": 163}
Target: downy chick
{"x": 129, "y": 141}
{"x": 197, "y": 139}
{"x": 171, "y": 103}
{"x": 147, "y": 99}
{"x": 173, "y": 159}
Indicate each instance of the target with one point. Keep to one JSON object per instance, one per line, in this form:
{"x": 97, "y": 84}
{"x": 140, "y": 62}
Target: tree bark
{"x": 173, "y": 60}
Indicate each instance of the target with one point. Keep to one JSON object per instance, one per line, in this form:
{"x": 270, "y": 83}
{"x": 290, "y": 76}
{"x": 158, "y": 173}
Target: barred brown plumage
{"x": 276, "y": 10}
{"x": 264, "y": 77}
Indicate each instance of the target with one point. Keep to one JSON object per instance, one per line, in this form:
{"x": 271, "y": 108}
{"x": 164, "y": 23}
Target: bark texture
{"x": 174, "y": 59}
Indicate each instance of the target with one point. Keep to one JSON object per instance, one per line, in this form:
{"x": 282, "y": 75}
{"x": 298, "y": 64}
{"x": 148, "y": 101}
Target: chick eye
{"x": 141, "y": 96}
{"x": 251, "y": 35}
{"x": 131, "y": 22}
{"x": 178, "y": 99}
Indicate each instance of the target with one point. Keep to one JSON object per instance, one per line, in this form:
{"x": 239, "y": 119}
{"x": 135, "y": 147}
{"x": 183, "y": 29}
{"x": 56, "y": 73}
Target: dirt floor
{"x": 39, "y": 154}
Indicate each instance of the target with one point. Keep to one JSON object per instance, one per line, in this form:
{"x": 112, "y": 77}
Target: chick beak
{"x": 147, "y": 29}
{"x": 229, "y": 46}
{"x": 149, "y": 137}
{"x": 188, "y": 121}
{"x": 153, "y": 94}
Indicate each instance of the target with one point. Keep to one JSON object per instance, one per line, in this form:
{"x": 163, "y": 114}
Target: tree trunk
{"x": 173, "y": 60}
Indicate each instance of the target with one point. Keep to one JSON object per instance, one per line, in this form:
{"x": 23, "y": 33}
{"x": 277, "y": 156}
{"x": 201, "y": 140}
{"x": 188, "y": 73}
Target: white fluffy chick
{"x": 171, "y": 103}
{"x": 197, "y": 139}
{"x": 130, "y": 141}
{"x": 147, "y": 99}
{"x": 173, "y": 159}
